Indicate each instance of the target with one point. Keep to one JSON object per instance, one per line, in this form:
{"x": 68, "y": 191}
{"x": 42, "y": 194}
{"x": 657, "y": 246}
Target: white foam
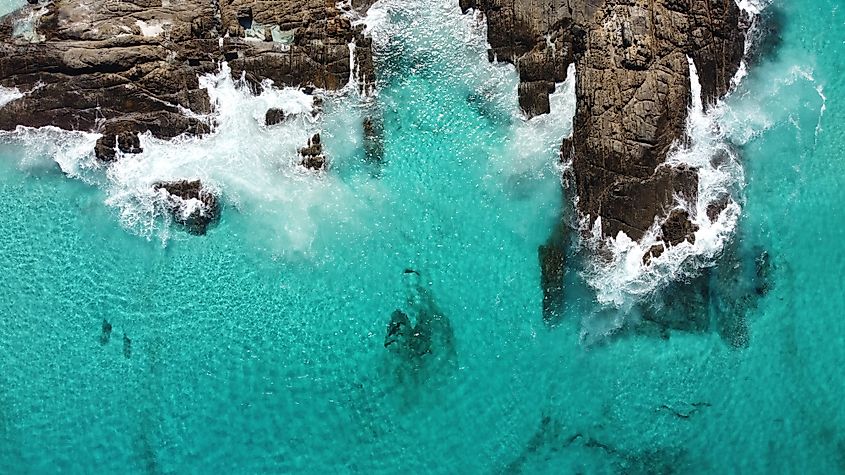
{"x": 152, "y": 28}
{"x": 8, "y": 95}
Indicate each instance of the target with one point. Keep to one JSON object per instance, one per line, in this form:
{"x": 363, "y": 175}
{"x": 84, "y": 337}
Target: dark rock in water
{"x": 654, "y": 252}
{"x": 715, "y": 208}
{"x": 105, "y": 334}
{"x": 90, "y": 65}
{"x": 127, "y": 346}
{"x": 373, "y": 139}
{"x": 116, "y": 138}
{"x": 720, "y": 298}
{"x": 678, "y": 228}
{"x": 552, "y": 256}
{"x": 762, "y": 270}
{"x": 191, "y": 204}
{"x": 426, "y": 345}
{"x": 312, "y": 155}
{"x": 398, "y": 331}
{"x": 274, "y": 116}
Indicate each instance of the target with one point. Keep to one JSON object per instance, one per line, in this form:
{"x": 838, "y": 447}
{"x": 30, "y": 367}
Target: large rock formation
{"x": 633, "y": 89}
{"x": 126, "y": 66}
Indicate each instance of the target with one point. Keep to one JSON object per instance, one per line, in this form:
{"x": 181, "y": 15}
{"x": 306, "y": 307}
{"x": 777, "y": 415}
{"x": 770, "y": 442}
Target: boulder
{"x": 191, "y": 205}
{"x": 312, "y": 154}
{"x": 274, "y": 116}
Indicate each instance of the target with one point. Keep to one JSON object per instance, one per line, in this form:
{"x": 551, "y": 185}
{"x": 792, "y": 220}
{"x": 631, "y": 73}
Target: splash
{"x": 8, "y": 95}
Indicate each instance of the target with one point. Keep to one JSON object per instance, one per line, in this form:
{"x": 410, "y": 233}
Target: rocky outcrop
{"x": 130, "y": 66}
{"x": 633, "y": 89}
{"x": 536, "y": 37}
{"x": 312, "y": 154}
{"x": 190, "y": 204}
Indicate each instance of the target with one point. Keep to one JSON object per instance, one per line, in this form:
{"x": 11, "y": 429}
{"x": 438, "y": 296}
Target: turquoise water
{"x": 260, "y": 346}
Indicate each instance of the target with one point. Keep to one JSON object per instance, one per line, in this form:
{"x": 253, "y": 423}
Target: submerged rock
{"x": 552, "y": 257}
{"x": 190, "y": 204}
{"x": 426, "y": 345}
{"x": 374, "y": 139}
{"x": 127, "y": 347}
{"x": 105, "y": 333}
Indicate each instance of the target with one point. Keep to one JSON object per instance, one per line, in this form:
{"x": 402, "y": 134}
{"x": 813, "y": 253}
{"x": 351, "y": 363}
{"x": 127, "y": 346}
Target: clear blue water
{"x": 254, "y": 349}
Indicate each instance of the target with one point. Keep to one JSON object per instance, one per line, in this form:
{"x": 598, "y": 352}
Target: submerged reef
{"x": 425, "y": 344}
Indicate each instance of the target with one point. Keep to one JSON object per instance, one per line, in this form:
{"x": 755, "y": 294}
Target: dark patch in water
{"x": 718, "y": 299}
{"x": 768, "y": 37}
{"x": 550, "y": 438}
{"x": 553, "y": 258}
{"x": 419, "y": 350}
{"x": 127, "y": 346}
{"x": 105, "y": 332}
{"x": 684, "y": 410}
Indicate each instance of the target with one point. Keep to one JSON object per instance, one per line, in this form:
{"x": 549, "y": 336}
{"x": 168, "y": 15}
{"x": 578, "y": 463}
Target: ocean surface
{"x": 259, "y": 347}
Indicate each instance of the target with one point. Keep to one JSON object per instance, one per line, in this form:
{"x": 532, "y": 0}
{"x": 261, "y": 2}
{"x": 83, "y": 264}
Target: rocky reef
{"x": 633, "y": 89}
{"x": 130, "y": 66}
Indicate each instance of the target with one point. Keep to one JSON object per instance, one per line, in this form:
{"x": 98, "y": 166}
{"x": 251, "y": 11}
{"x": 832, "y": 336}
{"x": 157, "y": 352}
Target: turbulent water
{"x": 260, "y": 346}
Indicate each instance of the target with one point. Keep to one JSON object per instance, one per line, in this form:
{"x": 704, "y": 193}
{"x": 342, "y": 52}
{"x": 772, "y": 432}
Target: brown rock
{"x": 134, "y": 64}
{"x": 654, "y": 252}
{"x": 678, "y": 228}
{"x": 312, "y": 155}
{"x": 199, "y": 218}
{"x": 274, "y": 116}
{"x": 633, "y": 89}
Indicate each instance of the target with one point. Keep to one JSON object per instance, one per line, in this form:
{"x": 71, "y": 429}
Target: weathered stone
{"x": 633, "y": 89}
{"x": 312, "y": 155}
{"x": 274, "y": 116}
{"x": 678, "y": 228}
{"x": 97, "y": 65}
{"x": 191, "y": 204}
{"x": 654, "y": 252}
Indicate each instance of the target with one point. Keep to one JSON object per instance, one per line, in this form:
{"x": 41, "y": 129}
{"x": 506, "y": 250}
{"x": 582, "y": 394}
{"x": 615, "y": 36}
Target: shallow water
{"x": 260, "y": 346}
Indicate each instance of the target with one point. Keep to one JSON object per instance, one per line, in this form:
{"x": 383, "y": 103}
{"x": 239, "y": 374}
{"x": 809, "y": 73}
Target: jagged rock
{"x": 105, "y": 333}
{"x": 312, "y": 155}
{"x": 191, "y": 204}
{"x": 99, "y": 64}
{"x": 633, "y": 89}
{"x": 536, "y": 37}
{"x": 274, "y": 116}
{"x": 117, "y": 138}
{"x": 715, "y": 208}
{"x": 678, "y": 228}
{"x": 655, "y": 251}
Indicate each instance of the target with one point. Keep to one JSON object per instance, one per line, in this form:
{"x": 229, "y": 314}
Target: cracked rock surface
{"x": 121, "y": 67}
{"x": 632, "y": 89}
